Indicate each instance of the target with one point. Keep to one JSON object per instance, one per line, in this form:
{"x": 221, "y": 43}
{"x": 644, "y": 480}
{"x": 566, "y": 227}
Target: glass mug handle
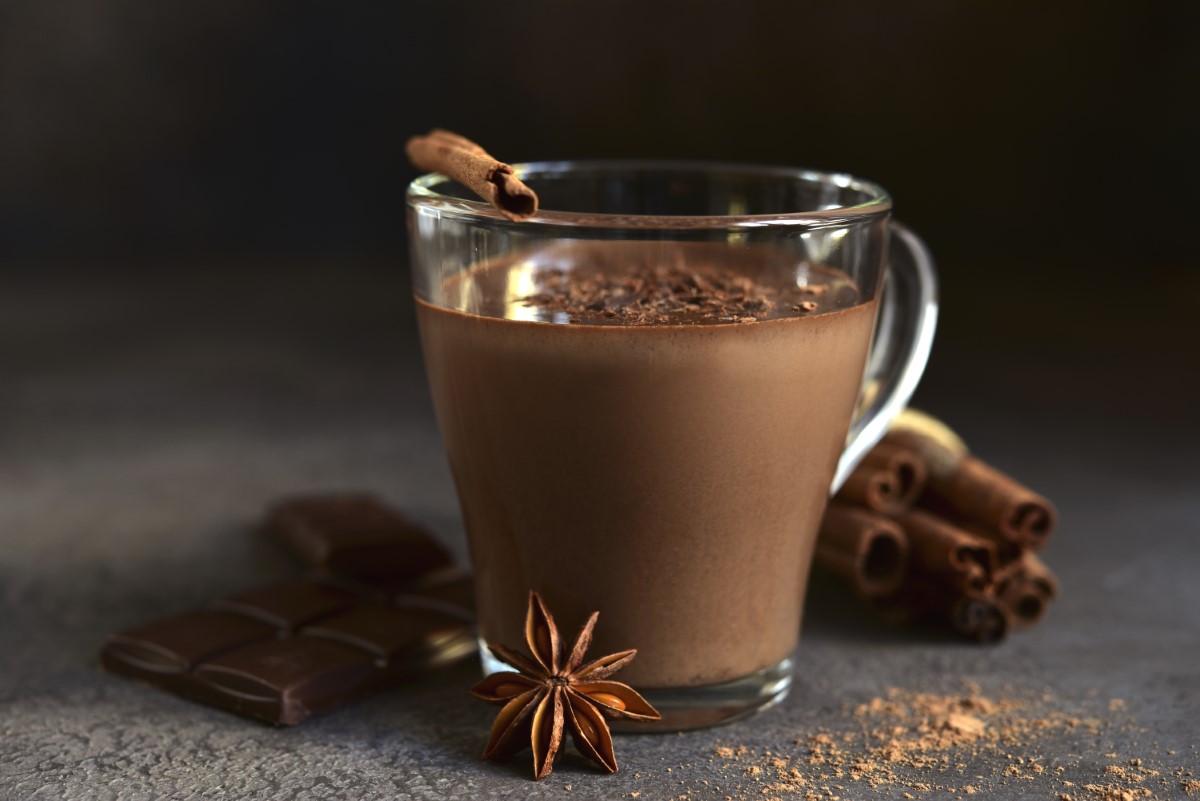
{"x": 903, "y": 338}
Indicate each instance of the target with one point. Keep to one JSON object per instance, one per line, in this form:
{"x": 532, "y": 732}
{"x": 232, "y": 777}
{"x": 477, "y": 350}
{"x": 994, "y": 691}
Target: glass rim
{"x": 422, "y": 192}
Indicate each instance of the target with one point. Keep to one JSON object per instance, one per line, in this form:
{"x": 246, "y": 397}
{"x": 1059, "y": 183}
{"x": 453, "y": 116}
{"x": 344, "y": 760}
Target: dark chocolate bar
{"x": 356, "y": 535}
{"x": 389, "y": 605}
{"x": 291, "y": 649}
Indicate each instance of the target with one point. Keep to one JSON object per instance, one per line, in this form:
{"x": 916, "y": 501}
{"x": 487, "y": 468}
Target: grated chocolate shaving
{"x": 671, "y": 294}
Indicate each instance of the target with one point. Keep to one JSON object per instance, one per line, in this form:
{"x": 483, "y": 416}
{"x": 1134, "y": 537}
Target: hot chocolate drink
{"x": 648, "y": 429}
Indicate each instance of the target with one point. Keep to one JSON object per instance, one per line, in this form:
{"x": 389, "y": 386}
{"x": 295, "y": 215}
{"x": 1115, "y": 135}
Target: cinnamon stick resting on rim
{"x": 466, "y": 162}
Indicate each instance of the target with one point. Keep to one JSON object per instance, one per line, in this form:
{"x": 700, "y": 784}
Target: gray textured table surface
{"x": 145, "y": 422}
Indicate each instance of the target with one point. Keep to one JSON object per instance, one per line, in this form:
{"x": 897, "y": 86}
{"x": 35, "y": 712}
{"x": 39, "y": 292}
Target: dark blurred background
{"x": 1046, "y": 152}
{"x": 204, "y": 307}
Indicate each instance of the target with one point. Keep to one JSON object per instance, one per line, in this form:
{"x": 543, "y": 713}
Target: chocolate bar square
{"x": 284, "y": 681}
{"x": 289, "y": 604}
{"x": 175, "y": 644}
{"x": 392, "y": 635}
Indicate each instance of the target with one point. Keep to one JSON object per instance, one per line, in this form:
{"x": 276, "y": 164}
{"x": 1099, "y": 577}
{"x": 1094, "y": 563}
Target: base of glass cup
{"x": 685, "y": 708}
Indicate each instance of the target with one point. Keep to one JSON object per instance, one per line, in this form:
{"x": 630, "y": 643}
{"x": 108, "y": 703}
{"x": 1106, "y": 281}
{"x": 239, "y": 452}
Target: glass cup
{"x": 671, "y": 476}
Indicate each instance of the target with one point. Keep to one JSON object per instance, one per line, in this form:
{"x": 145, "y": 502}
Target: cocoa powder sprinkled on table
{"x": 915, "y": 744}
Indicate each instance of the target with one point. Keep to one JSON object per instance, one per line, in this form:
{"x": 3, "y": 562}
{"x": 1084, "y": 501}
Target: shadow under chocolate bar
{"x": 288, "y": 650}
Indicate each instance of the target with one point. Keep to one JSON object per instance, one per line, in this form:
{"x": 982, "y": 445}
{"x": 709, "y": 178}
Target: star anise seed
{"x": 547, "y": 694}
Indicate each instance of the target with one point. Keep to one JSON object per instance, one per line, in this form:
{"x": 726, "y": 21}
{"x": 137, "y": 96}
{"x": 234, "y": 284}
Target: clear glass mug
{"x": 671, "y": 476}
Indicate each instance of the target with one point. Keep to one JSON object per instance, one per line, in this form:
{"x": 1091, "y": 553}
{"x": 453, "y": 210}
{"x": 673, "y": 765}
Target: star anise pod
{"x": 548, "y": 693}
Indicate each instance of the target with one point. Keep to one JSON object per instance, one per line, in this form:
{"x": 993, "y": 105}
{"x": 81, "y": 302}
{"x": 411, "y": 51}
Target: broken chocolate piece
{"x": 355, "y": 535}
{"x": 283, "y": 681}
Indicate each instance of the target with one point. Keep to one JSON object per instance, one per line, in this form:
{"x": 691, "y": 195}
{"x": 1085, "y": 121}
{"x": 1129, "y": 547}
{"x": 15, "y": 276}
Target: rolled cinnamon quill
{"x": 981, "y": 618}
{"x": 1039, "y": 574}
{"x": 889, "y": 479}
{"x": 962, "y": 486}
{"x": 916, "y": 601}
{"x": 981, "y": 493}
{"x": 920, "y": 599}
{"x": 865, "y": 549}
{"x": 932, "y": 440}
{"x": 944, "y": 550}
{"x": 1026, "y": 587}
{"x": 473, "y": 167}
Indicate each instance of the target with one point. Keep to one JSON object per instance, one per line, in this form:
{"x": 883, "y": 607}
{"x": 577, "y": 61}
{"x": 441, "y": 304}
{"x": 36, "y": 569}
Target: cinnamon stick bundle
{"x": 969, "y": 535}
{"x": 866, "y": 550}
{"x": 466, "y": 162}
